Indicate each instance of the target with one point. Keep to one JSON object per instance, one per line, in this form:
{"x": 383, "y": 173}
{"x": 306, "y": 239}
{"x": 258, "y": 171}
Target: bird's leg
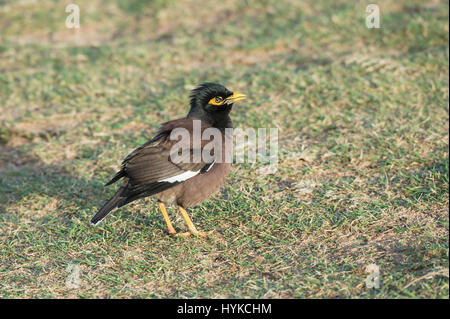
{"x": 190, "y": 225}
{"x": 162, "y": 207}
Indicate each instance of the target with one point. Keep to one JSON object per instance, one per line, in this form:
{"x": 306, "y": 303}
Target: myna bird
{"x": 150, "y": 169}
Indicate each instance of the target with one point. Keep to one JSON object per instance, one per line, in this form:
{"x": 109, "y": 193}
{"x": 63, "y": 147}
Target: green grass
{"x": 363, "y": 133}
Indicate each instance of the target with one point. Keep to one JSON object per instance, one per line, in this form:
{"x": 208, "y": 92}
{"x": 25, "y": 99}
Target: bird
{"x": 157, "y": 168}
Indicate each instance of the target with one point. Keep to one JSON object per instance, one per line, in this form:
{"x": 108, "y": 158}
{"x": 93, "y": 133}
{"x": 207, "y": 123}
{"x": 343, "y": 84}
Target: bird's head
{"x": 212, "y": 102}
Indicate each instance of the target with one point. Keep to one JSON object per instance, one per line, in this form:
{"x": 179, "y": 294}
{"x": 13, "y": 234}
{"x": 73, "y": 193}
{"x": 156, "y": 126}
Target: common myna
{"x": 187, "y": 181}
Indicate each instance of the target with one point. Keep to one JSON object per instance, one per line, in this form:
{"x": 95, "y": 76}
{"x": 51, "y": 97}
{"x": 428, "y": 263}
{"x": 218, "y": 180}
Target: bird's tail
{"x": 108, "y": 206}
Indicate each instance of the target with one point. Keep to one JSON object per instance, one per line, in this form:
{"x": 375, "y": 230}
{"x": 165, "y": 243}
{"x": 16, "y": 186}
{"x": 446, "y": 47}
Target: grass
{"x": 363, "y": 134}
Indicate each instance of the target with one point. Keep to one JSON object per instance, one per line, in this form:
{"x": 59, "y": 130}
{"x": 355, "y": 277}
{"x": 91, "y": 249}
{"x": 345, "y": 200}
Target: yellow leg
{"x": 188, "y": 221}
{"x": 162, "y": 207}
{"x": 190, "y": 225}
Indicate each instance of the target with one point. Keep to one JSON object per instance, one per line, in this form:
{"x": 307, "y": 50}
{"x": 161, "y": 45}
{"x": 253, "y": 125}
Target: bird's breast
{"x": 200, "y": 187}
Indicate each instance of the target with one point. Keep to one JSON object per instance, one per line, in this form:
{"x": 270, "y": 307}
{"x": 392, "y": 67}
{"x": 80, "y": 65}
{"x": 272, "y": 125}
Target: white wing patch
{"x": 210, "y": 166}
{"x": 180, "y": 178}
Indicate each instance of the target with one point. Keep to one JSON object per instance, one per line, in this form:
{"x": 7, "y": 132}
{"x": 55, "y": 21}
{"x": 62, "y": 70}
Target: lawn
{"x": 363, "y": 170}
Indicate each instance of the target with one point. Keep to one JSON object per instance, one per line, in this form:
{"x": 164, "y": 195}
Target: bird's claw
{"x": 196, "y": 234}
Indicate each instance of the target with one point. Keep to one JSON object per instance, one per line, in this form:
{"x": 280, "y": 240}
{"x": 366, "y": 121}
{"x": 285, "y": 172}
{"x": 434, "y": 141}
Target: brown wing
{"x": 150, "y": 168}
{"x": 153, "y": 163}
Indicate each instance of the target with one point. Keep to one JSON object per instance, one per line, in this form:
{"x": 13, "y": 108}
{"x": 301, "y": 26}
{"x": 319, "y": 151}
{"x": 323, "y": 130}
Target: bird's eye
{"x": 218, "y": 100}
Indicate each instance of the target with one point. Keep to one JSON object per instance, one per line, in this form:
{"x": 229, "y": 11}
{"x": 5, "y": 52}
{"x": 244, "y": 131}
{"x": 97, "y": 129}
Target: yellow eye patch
{"x": 235, "y": 97}
{"x": 218, "y": 100}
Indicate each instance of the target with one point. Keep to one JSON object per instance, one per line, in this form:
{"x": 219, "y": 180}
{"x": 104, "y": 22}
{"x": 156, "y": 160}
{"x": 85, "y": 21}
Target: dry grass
{"x": 363, "y": 126}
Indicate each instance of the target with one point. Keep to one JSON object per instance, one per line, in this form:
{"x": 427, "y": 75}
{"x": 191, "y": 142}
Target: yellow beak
{"x": 236, "y": 97}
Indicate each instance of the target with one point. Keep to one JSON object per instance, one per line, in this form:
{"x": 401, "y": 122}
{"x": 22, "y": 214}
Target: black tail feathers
{"x": 108, "y": 206}
{"x": 116, "y": 177}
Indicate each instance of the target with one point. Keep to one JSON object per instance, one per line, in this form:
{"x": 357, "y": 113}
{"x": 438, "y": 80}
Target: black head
{"x": 212, "y": 102}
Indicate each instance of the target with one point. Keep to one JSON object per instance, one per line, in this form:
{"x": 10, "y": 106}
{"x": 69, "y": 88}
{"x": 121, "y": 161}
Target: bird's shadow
{"x": 24, "y": 175}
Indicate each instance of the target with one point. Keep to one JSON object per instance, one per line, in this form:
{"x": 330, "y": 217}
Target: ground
{"x": 362, "y": 176}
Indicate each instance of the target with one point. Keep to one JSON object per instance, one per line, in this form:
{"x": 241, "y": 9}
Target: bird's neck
{"x": 221, "y": 121}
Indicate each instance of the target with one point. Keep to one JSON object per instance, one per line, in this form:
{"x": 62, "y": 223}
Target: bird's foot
{"x": 195, "y": 233}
